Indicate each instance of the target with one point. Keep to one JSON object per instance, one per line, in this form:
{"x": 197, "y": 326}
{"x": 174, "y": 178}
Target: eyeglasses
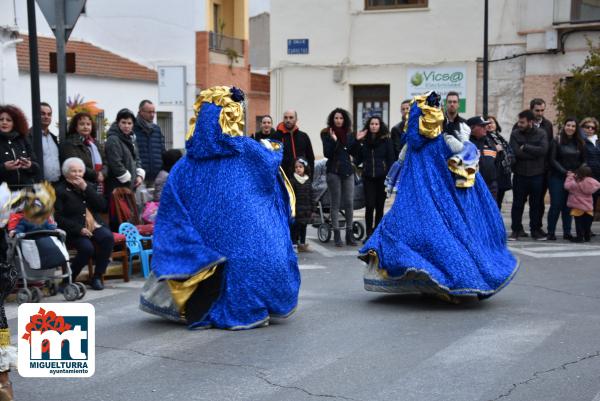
{"x": 589, "y": 127}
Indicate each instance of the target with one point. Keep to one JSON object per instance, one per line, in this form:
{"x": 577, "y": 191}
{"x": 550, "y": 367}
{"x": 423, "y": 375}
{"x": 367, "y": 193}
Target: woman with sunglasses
{"x": 589, "y": 128}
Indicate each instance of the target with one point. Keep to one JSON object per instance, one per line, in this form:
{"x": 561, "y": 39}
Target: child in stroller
{"x": 322, "y": 201}
{"x": 37, "y": 248}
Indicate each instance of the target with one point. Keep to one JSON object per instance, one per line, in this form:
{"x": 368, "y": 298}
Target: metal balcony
{"x": 225, "y": 44}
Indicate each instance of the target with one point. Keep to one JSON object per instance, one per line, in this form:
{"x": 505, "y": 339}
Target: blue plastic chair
{"x": 135, "y": 247}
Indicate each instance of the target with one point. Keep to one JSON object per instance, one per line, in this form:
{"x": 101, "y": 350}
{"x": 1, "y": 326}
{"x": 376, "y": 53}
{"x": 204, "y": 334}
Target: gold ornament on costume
{"x": 231, "y": 118}
{"x": 432, "y": 120}
{"x": 465, "y": 173}
{"x": 37, "y": 202}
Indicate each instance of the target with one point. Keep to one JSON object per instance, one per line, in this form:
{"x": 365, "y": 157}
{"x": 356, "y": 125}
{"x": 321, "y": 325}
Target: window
{"x": 390, "y": 4}
{"x": 164, "y": 119}
{"x": 585, "y": 10}
{"x": 576, "y": 11}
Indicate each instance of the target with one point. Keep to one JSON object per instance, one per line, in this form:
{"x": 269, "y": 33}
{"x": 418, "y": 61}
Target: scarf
{"x": 146, "y": 126}
{"x": 96, "y": 158}
{"x": 342, "y": 135}
{"x": 593, "y": 139}
{"x": 301, "y": 179}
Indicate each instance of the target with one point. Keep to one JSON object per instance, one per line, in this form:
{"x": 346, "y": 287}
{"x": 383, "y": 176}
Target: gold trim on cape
{"x": 181, "y": 291}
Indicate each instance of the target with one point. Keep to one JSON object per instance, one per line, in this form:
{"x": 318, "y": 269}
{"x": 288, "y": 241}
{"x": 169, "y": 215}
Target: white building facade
{"x": 154, "y": 34}
{"x": 368, "y": 55}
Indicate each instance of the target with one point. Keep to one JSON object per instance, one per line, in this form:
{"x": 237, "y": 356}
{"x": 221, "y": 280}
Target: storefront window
{"x": 575, "y": 11}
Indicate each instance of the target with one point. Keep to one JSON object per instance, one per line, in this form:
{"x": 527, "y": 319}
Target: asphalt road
{"x": 538, "y": 339}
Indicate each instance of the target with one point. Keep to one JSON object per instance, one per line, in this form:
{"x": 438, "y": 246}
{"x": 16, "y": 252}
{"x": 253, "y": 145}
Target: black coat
{"x": 13, "y": 149}
{"x": 504, "y": 161}
{"x": 71, "y": 204}
{"x": 376, "y": 155}
{"x": 296, "y": 144}
{"x": 565, "y": 157}
{"x": 398, "y": 137}
{"x": 487, "y": 158}
{"x": 304, "y": 200}
{"x": 530, "y": 149}
{"x": 258, "y": 135}
{"x": 592, "y": 154}
{"x": 73, "y": 146}
{"x": 338, "y": 157}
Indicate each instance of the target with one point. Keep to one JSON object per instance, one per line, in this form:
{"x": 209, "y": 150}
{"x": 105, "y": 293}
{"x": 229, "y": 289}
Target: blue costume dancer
{"x": 223, "y": 256}
{"x": 443, "y": 236}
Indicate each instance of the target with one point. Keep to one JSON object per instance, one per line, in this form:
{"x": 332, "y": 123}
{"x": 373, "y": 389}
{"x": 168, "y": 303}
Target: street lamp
{"x": 485, "y": 59}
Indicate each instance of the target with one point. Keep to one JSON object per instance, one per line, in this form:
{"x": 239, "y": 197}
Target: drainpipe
{"x": 2, "y": 79}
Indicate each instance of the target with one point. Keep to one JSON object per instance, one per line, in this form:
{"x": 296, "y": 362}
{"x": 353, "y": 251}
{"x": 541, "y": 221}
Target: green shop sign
{"x": 441, "y": 79}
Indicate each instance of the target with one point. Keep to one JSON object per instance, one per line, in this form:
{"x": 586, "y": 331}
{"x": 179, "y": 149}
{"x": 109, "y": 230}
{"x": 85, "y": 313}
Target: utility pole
{"x": 61, "y": 74}
{"x": 34, "y": 70}
{"x": 485, "y": 60}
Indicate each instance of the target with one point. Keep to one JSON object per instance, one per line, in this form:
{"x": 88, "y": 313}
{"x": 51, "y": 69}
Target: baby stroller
{"x": 41, "y": 256}
{"x": 322, "y": 201}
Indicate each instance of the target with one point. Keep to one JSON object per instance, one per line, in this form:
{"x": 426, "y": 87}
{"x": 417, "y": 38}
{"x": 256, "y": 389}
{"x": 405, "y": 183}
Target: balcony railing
{"x": 576, "y": 11}
{"x": 225, "y": 44}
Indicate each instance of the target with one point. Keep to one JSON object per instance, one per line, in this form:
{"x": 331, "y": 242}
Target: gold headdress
{"x": 229, "y": 99}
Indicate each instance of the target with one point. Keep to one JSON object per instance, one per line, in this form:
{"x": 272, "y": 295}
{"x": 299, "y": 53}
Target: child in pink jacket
{"x": 581, "y": 187}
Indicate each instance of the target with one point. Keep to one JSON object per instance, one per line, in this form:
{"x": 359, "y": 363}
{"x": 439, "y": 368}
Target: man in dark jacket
{"x": 149, "y": 140}
{"x": 487, "y": 150}
{"x": 397, "y": 131}
{"x": 295, "y": 143}
{"x": 530, "y": 146}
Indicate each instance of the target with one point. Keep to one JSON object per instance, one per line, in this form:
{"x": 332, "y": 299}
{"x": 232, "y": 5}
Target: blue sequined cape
{"x": 225, "y": 207}
{"x": 437, "y": 238}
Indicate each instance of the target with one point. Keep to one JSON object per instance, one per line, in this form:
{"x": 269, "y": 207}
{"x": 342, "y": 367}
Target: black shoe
{"x": 522, "y": 233}
{"x": 96, "y": 284}
{"x": 539, "y": 235}
{"x": 513, "y": 236}
{"x": 567, "y": 237}
{"x": 592, "y": 234}
{"x": 551, "y": 237}
{"x": 576, "y": 240}
{"x": 350, "y": 240}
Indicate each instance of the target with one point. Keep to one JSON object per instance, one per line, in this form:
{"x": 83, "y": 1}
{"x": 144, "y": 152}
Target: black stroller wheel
{"x": 358, "y": 230}
{"x": 324, "y": 232}
{"x": 82, "y": 289}
{"x": 71, "y": 292}
{"x": 23, "y": 296}
{"x": 36, "y": 295}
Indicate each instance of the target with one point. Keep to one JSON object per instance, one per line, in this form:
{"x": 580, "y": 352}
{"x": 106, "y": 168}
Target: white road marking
{"x": 312, "y": 267}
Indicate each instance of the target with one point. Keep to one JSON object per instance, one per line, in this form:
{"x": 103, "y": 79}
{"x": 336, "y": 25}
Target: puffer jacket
{"x": 304, "y": 202}
{"x": 122, "y": 160}
{"x": 592, "y": 150}
{"x": 150, "y": 145}
{"x": 376, "y": 155}
{"x": 12, "y": 147}
{"x": 580, "y": 192}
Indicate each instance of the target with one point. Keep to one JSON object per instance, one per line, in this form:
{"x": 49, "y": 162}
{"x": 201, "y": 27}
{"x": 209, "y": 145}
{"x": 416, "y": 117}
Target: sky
{"x": 258, "y": 6}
